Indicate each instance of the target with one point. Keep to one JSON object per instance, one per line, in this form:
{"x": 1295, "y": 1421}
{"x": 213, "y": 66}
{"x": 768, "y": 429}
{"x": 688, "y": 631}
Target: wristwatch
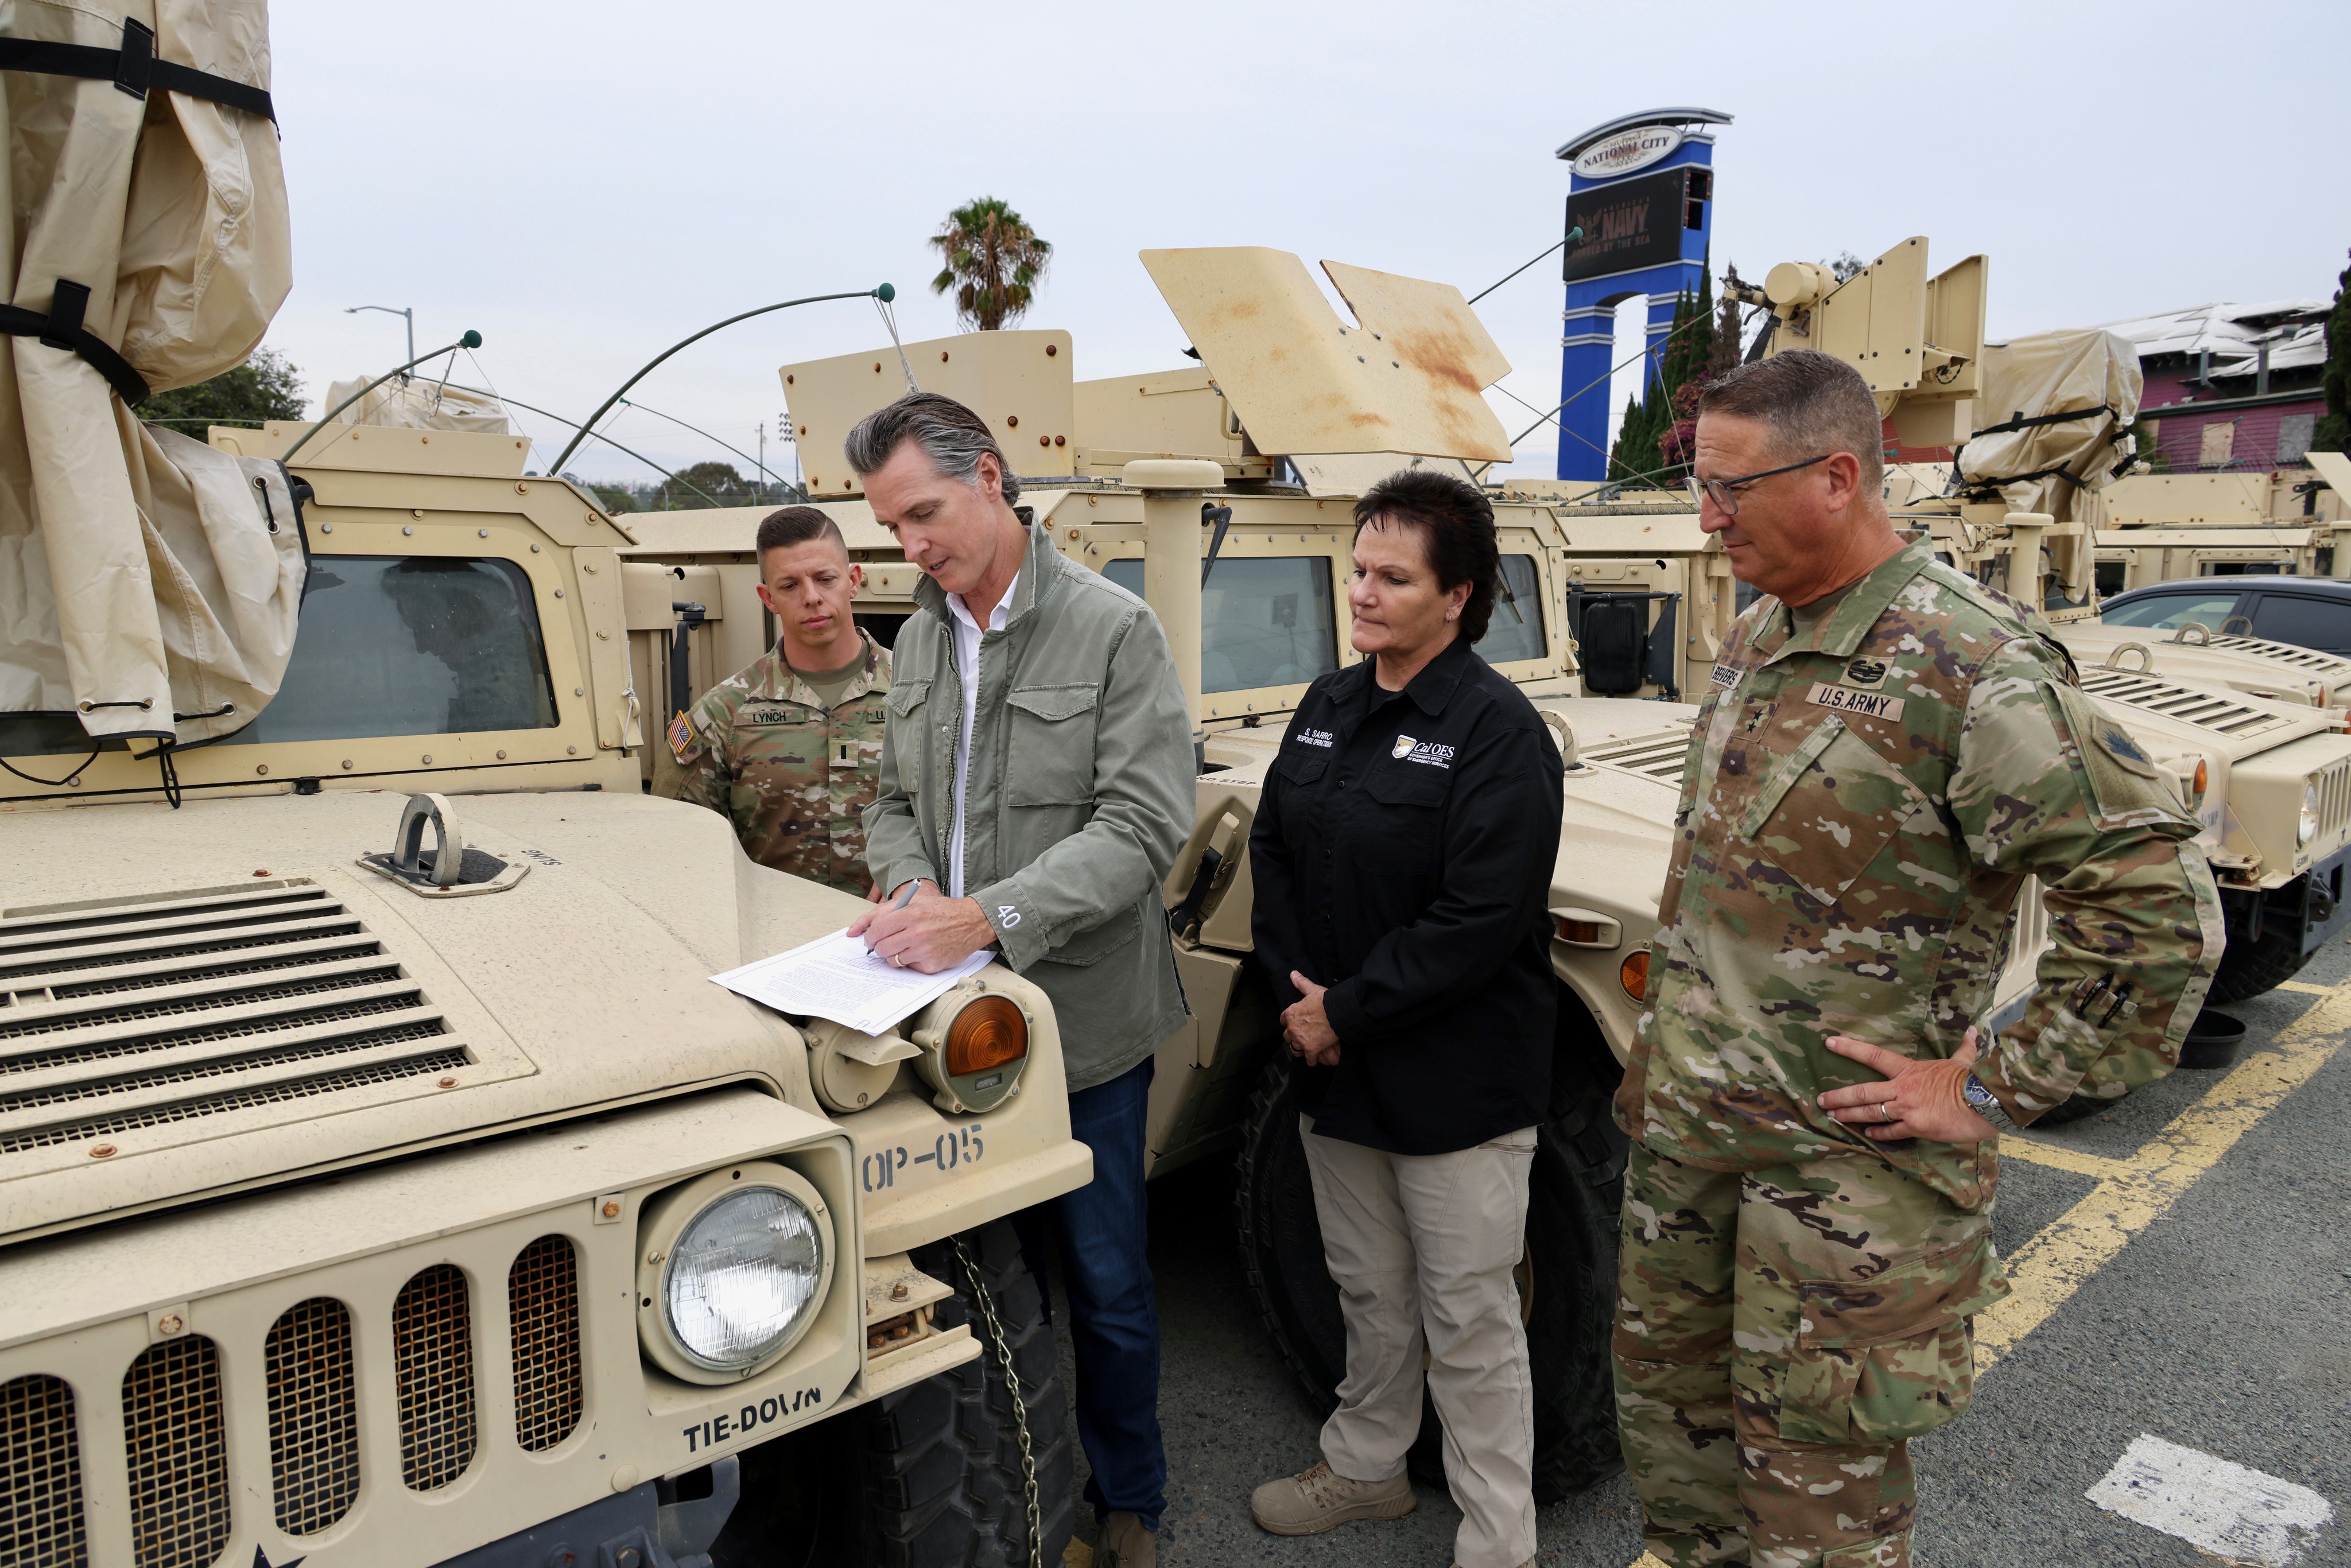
{"x": 1984, "y": 1102}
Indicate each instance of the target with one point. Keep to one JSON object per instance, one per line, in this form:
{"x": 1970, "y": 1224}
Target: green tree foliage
{"x": 704, "y": 485}
{"x": 1656, "y": 439}
{"x": 262, "y": 388}
{"x": 2151, "y": 451}
{"x": 2333, "y": 432}
{"x": 994, "y": 262}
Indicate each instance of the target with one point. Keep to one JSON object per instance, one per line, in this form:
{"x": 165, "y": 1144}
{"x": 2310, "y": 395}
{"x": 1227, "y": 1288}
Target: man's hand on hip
{"x": 1918, "y": 1100}
{"x": 932, "y": 933}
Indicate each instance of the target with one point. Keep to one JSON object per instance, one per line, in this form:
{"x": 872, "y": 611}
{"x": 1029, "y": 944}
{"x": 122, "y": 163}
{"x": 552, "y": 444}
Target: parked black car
{"x": 2307, "y": 612}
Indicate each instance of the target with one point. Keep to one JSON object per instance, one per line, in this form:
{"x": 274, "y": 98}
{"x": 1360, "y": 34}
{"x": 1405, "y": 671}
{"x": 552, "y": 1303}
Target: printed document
{"x": 836, "y": 977}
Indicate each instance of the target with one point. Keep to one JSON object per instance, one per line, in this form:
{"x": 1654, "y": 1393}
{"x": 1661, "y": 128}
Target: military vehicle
{"x": 382, "y": 1180}
{"x": 2162, "y": 527}
{"x": 376, "y": 1187}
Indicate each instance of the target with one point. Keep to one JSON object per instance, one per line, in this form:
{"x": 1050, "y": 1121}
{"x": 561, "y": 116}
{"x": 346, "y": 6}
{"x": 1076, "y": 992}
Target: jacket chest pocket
{"x": 909, "y": 722}
{"x": 1824, "y": 812}
{"x": 1399, "y": 821}
{"x": 1050, "y": 745}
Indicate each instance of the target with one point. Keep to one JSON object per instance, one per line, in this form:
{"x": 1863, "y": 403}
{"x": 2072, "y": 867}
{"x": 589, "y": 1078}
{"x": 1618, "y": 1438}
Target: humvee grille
{"x": 2210, "y": 709}
{"x": 177, "y": 1450}
{"x": 40, "y": 1489}
{"x": 2286, "y": 653}
{"x": 543, "y": 1304}
{"x": 169, "y": 1009}
{"x": 1653, "y": 757}
{"x": 433, "y": 1354}
{"x": 314, "y": 1434}
{"x": 171, "y": 1505}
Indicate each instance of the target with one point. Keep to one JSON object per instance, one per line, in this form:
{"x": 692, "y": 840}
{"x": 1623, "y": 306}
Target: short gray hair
{"x": 1812, "y": 403}
{"x": 951, "y": 435}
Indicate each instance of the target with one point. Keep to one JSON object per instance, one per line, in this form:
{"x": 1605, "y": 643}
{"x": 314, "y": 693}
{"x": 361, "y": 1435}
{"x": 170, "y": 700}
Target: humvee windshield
{"x": 411, "y": 645}
{"x": 1265, "y": 620}
{"x": 1516, "y": 631}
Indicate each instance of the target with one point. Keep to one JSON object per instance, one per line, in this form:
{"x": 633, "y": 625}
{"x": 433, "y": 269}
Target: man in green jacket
{"x": 1037, "y": 782}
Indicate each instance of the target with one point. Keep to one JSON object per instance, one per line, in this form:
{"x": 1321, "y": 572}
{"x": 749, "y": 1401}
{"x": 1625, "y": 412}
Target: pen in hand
{"x": 908, "y": 897}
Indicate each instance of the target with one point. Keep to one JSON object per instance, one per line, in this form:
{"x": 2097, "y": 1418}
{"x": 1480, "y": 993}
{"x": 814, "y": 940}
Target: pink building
{"x": 2231, "y": 387}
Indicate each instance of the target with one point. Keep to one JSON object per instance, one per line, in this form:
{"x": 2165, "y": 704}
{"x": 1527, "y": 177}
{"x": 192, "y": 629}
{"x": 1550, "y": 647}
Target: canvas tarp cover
{"x": 418, "y": 404}
{"x": 144, "y": 575}
{"x": 2091, "y": 374}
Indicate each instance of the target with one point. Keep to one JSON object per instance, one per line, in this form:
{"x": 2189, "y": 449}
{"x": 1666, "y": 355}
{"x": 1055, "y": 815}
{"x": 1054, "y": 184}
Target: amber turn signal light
{"x": 1633, "y": 974}
{"x": 1579, "y": 930}
{"x": 2203, "y": 777}
{"x": 989, "y": 1033}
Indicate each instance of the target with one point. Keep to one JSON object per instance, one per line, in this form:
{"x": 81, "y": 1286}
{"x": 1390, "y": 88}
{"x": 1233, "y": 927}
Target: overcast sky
{"x": 585, "y": 183}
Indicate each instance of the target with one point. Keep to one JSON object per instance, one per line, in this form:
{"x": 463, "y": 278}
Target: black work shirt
{"x": 1403, "y": 857}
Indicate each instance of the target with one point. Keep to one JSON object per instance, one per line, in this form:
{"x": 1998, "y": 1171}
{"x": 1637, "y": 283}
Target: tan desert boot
{"x": 1312, "y": 1502}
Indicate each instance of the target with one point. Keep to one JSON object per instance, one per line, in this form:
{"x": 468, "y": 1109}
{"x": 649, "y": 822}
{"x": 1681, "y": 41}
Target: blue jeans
{"x": 1114, "y": 1310}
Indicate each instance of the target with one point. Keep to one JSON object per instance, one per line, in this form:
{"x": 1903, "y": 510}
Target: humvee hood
{"x": 197, "y": 1001}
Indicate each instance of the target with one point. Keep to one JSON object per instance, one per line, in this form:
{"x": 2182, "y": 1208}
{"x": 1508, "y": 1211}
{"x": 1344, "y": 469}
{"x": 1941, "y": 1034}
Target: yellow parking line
{"x": 2059, "y": 1260}
{"x": 2306, "y": 986}
{"x": 2056, "y": 1156}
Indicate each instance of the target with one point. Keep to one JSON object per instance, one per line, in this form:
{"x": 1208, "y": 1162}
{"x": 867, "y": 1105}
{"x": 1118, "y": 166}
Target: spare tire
{"x": 1567, "y": 1279}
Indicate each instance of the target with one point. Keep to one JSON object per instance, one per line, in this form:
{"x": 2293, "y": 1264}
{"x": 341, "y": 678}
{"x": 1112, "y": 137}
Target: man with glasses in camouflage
{"x": 1886, "y": 752}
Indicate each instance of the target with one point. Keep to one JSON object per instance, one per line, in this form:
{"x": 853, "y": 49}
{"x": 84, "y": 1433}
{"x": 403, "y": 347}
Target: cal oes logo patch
{"x": 1865, "y": 672}
{"x": 1402, "y": 746}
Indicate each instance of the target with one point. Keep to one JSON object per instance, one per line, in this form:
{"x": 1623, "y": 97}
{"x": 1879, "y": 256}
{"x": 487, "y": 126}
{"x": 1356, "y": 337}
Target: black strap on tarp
{"x": 62, "y": 328}
{"x": 133, "y": 69}
{"x": 2018, "y": 421}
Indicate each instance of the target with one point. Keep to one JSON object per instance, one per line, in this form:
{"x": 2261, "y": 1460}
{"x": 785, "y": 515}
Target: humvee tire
{"x": 2249, "y": 969}
{"x": 1567, "y": 1281}
{"x": 928, "y": 1476}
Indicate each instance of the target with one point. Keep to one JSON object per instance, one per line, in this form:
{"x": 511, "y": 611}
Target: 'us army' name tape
{"x": 1844, "y": 699}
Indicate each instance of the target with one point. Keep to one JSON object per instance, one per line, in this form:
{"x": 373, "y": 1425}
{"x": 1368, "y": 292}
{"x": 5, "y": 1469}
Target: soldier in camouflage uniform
{"x": 789, "y": 749}
{"x": 1886, "y": 753}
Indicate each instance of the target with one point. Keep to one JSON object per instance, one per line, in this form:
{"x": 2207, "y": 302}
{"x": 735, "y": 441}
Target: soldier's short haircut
{"x": 797, "y": 526}
{"x": 1455, "y": 524}
{"x": 951, "y": 435}
{"x": 1812, "y": 403}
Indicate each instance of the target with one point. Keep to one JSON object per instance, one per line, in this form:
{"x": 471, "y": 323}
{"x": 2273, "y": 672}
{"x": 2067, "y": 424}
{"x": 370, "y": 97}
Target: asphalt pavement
{"x": 2222, "y": 1324}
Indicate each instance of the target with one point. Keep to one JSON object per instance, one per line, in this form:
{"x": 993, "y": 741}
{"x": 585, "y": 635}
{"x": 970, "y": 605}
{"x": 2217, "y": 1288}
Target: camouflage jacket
{"x": 1862, "y": 806}
{"x": 794, "y": 778}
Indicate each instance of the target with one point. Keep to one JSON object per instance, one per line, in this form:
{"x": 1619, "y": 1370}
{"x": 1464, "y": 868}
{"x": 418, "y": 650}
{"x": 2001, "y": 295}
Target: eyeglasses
{"x": 1724, "y": 492}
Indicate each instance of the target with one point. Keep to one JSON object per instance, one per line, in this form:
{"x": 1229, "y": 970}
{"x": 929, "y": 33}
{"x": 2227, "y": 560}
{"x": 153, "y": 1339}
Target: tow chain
{"x": 986, "y": 1304}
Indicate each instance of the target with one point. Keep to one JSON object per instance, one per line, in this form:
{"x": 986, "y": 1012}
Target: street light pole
{"x": 408, "y": 315}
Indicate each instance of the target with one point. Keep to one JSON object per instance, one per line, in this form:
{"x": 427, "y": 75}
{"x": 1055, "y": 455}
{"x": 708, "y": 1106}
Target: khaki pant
{"x": 1780, "y": 1336}
{"x": 1421, "y": 1248}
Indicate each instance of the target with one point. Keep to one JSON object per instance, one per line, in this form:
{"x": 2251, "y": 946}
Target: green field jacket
{"x": 1079, "y": 795}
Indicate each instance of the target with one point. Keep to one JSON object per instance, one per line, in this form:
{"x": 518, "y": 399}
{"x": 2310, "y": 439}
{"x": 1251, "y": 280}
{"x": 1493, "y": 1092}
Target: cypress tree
{"x": 2333, "y": 432}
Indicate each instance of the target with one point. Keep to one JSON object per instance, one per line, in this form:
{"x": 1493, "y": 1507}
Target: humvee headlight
{"x": 974, "y": 1045}
{"x": 2309, "y": 828}
{"x": 736, "y": 1266}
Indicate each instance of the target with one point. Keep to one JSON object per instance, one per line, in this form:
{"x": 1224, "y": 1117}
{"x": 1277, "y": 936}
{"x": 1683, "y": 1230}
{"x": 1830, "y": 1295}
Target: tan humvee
{"x": 352, "y": 1179}
{"x": 2163, "y": 528}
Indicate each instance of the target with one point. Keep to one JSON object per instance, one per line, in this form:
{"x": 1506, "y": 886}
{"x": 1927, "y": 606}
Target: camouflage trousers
{"x": 1780, "y": 1335}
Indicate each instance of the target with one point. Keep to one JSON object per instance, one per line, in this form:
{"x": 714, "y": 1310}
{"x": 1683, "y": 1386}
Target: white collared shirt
{"x": 966, "y": 650}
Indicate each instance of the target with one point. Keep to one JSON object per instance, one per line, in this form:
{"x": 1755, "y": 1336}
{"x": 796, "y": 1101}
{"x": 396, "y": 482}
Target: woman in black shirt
{"x": 1403, "y": 857}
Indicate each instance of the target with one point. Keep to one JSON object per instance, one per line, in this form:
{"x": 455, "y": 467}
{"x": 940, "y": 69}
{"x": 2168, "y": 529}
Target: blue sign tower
{"x": 1642, "y": 189}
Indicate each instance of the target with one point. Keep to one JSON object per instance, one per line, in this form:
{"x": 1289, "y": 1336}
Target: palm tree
{"x": 994, "y": 262}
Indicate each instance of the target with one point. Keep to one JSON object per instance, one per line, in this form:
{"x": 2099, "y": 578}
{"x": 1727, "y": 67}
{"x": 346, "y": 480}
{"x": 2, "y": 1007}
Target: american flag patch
{"x": 681, "y": 736}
